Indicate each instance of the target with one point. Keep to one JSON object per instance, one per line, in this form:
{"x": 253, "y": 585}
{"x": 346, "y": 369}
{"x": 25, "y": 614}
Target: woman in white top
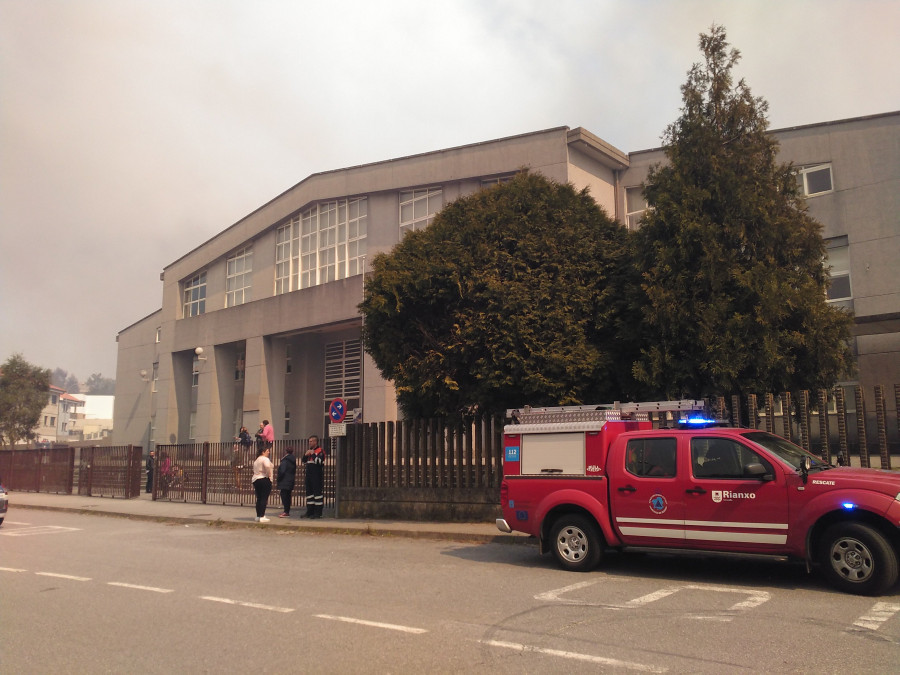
{"x": 262, "y": 482}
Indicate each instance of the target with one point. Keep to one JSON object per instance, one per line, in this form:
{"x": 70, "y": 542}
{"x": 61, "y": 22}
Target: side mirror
{"x": 757, "y": 470}
{"x": 805, "y": 463}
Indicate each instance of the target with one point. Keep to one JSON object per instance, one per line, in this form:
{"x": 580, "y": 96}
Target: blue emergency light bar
{"x": 700, "y": 423}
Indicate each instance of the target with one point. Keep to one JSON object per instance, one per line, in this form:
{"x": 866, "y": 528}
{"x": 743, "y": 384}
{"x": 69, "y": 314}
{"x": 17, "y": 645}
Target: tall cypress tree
{"x": 733, "y": 269}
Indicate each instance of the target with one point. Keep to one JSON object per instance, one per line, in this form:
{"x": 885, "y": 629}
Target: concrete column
{"x": 257, "y": 405}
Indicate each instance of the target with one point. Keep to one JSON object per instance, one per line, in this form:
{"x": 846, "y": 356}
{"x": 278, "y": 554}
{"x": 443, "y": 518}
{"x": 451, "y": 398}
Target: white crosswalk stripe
{"x": 38, "y": 529}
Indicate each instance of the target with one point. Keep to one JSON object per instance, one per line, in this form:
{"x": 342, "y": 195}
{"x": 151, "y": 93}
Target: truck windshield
{"x": 786, "y": 450}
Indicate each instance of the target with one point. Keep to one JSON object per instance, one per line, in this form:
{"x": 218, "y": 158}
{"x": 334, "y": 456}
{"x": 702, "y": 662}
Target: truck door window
{"x": 722, "y": 458}
{"x": 651, "y": 457}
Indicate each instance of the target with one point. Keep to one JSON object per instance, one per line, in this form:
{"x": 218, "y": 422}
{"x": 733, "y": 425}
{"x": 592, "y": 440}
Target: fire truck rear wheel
{"x": 576, "y": 543}
{"x": 857, "y": 558}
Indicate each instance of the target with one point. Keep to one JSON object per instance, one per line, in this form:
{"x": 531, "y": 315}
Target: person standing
{"x": 268, "y": 433}
{"x": 150, "y": 460}
{"x": 262, "y": 483}
{"x": 287, "y": 471}
{"x": 240, "y": 454}
{"x": 314, "y": 462}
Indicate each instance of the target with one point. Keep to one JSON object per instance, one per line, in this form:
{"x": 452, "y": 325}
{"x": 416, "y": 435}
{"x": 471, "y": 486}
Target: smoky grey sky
{"x": 132, "y": 131}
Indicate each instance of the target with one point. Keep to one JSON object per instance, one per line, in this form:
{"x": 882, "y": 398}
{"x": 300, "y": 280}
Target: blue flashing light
{"x": 698, "y": 420}
{"x": 849, "y": 505}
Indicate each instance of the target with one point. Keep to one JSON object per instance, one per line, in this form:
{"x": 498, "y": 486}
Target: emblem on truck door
{"x": 658, "y": 504}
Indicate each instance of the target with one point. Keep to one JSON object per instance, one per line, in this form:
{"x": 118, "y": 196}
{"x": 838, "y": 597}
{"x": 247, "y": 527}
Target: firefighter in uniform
{"x": 314, "y": 461}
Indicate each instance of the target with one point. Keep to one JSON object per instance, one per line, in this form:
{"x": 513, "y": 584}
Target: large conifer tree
{"x": 511, "y": 296}
{"x": 732, "y": 264}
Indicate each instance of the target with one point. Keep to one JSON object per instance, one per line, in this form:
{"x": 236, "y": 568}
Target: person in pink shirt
{"x": 268, "y": 433}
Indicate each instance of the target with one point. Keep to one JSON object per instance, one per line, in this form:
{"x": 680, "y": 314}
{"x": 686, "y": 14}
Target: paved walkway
{"x": 143, "y": 508}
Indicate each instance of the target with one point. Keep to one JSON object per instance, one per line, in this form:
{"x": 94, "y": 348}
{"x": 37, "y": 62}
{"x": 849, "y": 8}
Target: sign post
{"x": 337, "y": 411}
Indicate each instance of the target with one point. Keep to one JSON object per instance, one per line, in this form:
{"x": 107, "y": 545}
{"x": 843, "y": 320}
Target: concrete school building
{"x": 260, "y": 322}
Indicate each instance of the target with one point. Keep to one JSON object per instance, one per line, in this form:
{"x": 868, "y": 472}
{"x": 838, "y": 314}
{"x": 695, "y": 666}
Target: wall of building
{"x": 269, "y": 330}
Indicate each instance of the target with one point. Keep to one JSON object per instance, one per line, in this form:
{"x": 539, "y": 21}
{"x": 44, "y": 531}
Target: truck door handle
{"x": 628, "y": 488}
{"x": 696, "y": 491}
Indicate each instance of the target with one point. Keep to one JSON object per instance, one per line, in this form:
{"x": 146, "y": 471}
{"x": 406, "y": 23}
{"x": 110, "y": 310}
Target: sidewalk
{"x": 218, "y": 515}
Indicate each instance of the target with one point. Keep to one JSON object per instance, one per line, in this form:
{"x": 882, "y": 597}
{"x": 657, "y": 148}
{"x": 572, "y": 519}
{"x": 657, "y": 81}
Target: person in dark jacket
{"x": 314, "y": 462}
{"x": 150, "y": 459}
{"x": 287, "y": 471}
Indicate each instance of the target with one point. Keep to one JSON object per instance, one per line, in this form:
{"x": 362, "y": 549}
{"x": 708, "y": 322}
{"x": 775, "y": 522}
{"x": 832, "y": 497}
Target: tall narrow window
{"x": 635, "y": 205}
{"x": 238, "y": 278}
{"x": 287, "y": 261}
{"x": 838, "y": 252}
{"x": 287, "y": 421}
{"x": 309, "y": 248}
{"x": 417, "y": 208}
{"x": 357, "y": 226}
{"x": 195, "y": 295}
{"x": 155, "y": 377}
{"x": 239, "y": 366}
{"x": 192, "y": 429}
{"x": 328, "y": 231}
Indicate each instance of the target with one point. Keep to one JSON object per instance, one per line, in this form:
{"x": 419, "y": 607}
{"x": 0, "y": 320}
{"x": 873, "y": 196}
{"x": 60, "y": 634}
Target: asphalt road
{"x": 91, "y": 594}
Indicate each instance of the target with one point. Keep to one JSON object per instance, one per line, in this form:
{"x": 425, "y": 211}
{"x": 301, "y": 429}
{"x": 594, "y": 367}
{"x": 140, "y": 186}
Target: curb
{"x": 369, "y": 530}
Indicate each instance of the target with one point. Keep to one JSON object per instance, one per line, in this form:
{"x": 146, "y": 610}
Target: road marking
{"x": 600, "y": 660}
{"x": 140, "y": 588}
{"x": 11, "y": 569}
{"x": 62, "y": 576}
{"x": 15, "y": 522}
{"x": 554, "y": 594}
{"x": 755, "y": 598}
{"x": 880, "y": 612}
{"x": 652, "y": 597}
{"x": 254, "y": 605}
{"x": 39, "y": 529}
{"x": 375, "y": 624}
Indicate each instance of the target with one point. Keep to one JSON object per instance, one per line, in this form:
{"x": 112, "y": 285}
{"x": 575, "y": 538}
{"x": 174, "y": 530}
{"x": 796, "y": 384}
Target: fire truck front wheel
{"x": 857, "y": 558}
{"x": 576, "y": 542}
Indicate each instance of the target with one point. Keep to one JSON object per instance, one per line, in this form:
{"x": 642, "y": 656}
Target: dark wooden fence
{"x": 110, "y": 471}
{"x": 101, "y": 471}
{"x": 840, "y": 424}
{"x": 219, "y": 473}
{"x": 447, "y": 469}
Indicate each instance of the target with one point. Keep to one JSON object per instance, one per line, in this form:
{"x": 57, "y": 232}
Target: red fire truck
{"x": 583, "y": 479}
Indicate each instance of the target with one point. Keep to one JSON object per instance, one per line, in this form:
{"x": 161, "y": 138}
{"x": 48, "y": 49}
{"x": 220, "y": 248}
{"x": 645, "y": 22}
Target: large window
{"x": 815, "y": 180}
{"x": 238, "y": 278}
{"x": 635, "y": 205}
{"x": 838, "y": 252}
{"x": 325, "y": 243}
{"x": 195, "y": 295}
{"x": 417, "y": 208}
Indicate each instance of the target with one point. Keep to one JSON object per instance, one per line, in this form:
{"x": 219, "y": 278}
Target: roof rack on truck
{"x": 604, "y": 412}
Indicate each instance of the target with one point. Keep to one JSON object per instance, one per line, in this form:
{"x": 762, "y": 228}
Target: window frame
{"x": 838, "y": 244}
{"x": 410, "y": 198}
{"x": 633, "y": 218}
{"x": 239, "y": 277}
{"x": 803, "y": 171}
{"x": 194, "y": 295}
